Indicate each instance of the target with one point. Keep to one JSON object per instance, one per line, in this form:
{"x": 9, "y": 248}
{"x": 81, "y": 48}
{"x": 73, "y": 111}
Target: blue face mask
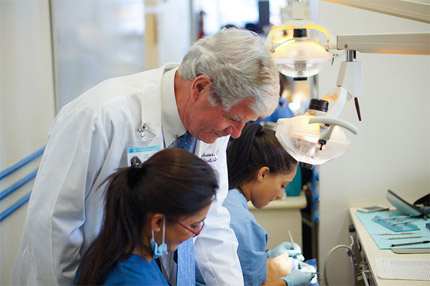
{"x": 162, "y": 249}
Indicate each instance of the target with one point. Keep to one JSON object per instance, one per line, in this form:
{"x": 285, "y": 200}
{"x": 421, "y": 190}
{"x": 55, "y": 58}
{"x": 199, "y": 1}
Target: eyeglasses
{"x": 196, "y": 230}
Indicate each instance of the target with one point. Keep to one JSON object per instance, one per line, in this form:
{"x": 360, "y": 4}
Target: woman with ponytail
{"x": 150, "y": 208}
{"x": 259, "y": 169}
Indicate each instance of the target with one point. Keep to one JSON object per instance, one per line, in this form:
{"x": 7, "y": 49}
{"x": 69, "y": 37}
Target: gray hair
{"x": 239, "y": 65}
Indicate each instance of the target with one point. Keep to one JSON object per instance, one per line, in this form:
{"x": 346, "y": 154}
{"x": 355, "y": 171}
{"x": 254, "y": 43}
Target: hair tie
{"x": 136, "y": 163}
{"x": 260, "y": 131}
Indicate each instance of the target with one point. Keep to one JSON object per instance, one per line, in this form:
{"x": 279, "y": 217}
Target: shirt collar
{"x": 172, "y": 124}
{"x": 240, "y": 198}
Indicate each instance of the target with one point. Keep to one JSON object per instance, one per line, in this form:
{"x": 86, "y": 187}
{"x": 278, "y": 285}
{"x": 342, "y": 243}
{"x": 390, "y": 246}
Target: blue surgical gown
{"x": 252, "y": 239}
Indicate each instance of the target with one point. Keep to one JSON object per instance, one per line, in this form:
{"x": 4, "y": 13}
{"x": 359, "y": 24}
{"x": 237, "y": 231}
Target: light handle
{"x": 297, "y": 24}
{"x": 332, "y": 122}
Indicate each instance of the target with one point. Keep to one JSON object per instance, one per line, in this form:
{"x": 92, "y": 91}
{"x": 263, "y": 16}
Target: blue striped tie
{"x": 186, "y": 264}
{"x": 186, "y": 142}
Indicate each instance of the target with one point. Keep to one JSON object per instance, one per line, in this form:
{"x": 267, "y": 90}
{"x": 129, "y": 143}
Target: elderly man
{"x": 223, "y": 82}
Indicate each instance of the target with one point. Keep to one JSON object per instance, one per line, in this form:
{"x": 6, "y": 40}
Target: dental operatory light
{"x": 306, "y": 137}
{"x": 301, "y": 57}
{"x": 316, "y": 137}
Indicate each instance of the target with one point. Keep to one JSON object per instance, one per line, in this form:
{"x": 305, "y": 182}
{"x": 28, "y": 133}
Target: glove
{"x": 298, "y": 278}
{"x": 285, "y": 247}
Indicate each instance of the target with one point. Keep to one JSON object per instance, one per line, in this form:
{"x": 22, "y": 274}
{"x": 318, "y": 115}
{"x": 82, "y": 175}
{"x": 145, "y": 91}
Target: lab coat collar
{"x": 172, "y": 124}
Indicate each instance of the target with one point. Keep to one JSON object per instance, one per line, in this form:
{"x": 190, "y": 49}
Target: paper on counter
{"x": 409, "y": 269}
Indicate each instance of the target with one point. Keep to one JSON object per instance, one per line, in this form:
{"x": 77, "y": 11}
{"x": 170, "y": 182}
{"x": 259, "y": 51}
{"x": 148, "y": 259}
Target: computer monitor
{"x": 403, "y": 206}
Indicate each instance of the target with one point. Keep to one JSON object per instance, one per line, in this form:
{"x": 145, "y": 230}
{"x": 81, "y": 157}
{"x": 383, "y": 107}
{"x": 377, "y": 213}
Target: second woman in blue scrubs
{"x": 259, "y": 169}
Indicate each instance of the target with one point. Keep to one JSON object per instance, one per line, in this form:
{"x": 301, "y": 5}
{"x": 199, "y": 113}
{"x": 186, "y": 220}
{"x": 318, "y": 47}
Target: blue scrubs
{"x": 252, "y": 239}
{"x": 134, "y": 271}
{"x": 283, "y": 111}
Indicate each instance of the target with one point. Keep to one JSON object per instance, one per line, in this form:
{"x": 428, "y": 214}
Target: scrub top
{"x": 282, "y": 111}
{"x": 252, "y": 239}
{"x": 134, "y": 271}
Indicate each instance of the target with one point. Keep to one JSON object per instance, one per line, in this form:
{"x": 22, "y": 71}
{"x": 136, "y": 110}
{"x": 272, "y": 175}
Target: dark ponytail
{"x": 255, "y": 148}
{"x": 173, "y": 182}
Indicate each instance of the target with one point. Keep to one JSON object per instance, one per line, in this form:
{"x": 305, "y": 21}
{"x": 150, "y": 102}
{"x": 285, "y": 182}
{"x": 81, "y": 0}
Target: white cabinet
{"x": 279, "y": 216}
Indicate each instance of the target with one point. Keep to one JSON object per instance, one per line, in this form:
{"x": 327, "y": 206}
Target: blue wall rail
{"x": 18, "y": 184}
{"x": 14, "y": 207}
{"x": 22, "y": 163}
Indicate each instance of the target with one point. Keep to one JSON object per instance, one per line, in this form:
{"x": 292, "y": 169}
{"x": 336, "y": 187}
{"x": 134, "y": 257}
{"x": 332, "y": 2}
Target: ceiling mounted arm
{"x": 412, "y": 10}
{"x": 410, "y": 43}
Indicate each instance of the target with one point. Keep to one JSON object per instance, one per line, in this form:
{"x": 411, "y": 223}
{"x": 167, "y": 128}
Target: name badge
{"x": 145, "y": 145}
{"x": 142, "y": 152}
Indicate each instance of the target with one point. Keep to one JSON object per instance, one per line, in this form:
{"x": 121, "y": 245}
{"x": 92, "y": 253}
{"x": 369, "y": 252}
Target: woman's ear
{"x": 264, "y": 171}
{"x": 201, "y": 84}
{"x": 156, "y": 221}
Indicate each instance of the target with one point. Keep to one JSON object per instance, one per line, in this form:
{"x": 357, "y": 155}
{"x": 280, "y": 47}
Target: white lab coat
{"x": 86, "y": 143}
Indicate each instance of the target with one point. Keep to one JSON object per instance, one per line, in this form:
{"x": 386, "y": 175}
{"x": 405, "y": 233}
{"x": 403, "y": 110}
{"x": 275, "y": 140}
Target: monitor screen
{"x": 403, "y": 206}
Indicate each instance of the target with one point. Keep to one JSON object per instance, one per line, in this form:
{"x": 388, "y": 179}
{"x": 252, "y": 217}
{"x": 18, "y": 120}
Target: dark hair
{"x": 255, "y": 148}
{"x": 172, "y": 182}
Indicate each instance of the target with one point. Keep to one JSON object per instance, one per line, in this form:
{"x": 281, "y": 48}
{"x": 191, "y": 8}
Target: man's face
{"x": 207, "y": 122}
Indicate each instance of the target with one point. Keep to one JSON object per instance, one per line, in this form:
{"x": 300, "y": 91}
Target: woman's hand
{"x": 279, "y": 266}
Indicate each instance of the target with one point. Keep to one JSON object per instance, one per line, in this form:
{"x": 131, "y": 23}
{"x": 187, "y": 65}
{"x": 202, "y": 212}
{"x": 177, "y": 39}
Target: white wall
{"x": 174, "y": 26}
{"x": 392, "y": 149}
{"x": 167, "y": 31}
{"x": 26, "y": 105}
{"x": 93, "y": 41}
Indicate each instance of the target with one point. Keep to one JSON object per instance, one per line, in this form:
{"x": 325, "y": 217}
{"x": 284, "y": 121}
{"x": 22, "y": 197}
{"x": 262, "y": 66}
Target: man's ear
{"x": 201, "y": 86}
